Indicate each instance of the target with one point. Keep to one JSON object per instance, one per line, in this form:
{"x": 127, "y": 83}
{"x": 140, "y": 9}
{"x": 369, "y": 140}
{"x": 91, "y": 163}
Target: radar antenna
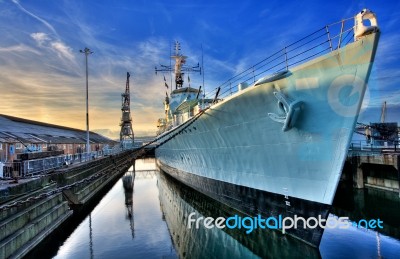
{"x": 179, "y": 68}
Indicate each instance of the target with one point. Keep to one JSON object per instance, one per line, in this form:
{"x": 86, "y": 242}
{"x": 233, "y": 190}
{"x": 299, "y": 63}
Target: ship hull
{"x": 238, "y": 143}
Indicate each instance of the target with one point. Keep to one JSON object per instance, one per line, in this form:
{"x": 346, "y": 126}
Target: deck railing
{"x": 326, "y": 39}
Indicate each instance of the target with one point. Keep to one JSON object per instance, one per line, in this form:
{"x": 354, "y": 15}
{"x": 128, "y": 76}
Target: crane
{"x": 126, "y": 135}
{"x": 383, "y": 112}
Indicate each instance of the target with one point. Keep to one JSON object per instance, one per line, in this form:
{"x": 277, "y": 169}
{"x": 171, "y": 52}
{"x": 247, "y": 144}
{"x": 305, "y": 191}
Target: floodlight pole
{"x": 87, "y": 52}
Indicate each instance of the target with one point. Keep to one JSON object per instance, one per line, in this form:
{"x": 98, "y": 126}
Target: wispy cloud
{"x": 48, "y": 25}
{"x": 40, "y": 37}
{"x": 63, "y": 50}
{"x": 19, "y": 48}
{"x": 42, "y": 73}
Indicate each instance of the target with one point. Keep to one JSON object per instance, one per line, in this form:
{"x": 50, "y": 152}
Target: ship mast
{"x": 126, "y": 134}
{"x": 179, "y": 68}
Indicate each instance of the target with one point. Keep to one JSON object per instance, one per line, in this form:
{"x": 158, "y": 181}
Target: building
{"x": 19, "y": 136}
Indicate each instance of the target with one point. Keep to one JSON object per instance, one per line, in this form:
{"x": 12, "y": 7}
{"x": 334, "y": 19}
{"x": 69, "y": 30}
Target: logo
{"x": 344, "y": 94}
{"x": 259, "y": 222}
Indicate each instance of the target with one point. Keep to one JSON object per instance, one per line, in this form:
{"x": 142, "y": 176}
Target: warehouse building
{"x": 20, "y": 136}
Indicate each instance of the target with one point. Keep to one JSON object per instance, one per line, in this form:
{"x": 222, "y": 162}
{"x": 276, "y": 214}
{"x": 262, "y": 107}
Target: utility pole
{"x": 87, "y": 52}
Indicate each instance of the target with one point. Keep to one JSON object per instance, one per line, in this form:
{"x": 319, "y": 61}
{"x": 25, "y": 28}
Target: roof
{"x": 185, "y": 89}
{"x": 14, "y": 129}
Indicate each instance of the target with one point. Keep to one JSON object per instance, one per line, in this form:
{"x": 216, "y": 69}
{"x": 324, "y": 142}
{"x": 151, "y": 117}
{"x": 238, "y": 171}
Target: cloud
{"x": 40, "y": 37}
{"x": 19, "y": 48}
{"x": 16, "y": 2}
{"x": 63, "y": 50}
{"x": 42, "y": 73}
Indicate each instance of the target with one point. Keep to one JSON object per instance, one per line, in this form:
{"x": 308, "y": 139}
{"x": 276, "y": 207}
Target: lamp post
{"x": 87, "y": 52}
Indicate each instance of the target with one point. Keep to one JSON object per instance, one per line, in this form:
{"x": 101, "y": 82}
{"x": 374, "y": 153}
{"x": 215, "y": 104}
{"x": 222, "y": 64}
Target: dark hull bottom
{"x": 253, "y": 202}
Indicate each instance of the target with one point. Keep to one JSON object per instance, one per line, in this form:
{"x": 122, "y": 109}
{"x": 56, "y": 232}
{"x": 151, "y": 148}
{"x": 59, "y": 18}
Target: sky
{"x": 42, "y": 72}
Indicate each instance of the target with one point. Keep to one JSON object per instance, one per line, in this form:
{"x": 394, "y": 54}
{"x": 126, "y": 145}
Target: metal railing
{"x": 34, "y": 167}
{"x": 322, "y": 41}
{"x": 374, "y": 146}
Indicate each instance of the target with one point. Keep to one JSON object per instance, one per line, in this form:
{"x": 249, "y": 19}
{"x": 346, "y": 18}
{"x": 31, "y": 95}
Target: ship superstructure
{"x": 174, "y": 113}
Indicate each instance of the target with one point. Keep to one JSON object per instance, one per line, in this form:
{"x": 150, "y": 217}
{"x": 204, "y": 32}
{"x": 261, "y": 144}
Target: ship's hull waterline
{"x": 238, "y": 141}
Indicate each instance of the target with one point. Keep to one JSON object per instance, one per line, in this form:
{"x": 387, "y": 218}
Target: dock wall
{"x": 379, "y": 171}
{"x": 34, "y": 208}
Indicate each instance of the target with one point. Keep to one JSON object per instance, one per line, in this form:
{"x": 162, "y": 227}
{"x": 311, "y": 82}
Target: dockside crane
{"x": 126, "y": 135}
{"x": 383, "y": 112}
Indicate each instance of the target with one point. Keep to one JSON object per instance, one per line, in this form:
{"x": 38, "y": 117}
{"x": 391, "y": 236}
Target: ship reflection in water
{"x": 178, "y": 201}
{"x": 145, "y": 215}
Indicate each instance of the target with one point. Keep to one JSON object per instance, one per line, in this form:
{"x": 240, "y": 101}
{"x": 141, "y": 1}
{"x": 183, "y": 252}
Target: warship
{"x": 276, "y": 143}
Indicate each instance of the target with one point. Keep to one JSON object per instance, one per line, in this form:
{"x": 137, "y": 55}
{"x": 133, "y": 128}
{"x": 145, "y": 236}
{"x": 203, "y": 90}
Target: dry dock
{"x": 32, "y": 208}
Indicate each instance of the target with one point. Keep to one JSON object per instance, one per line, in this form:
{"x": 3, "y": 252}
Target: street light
{"x": 87, "y": 52}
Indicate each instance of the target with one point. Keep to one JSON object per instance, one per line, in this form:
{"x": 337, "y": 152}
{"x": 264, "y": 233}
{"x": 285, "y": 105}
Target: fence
{"x": 41, "y": 166}
{"x": 381, "y": 147}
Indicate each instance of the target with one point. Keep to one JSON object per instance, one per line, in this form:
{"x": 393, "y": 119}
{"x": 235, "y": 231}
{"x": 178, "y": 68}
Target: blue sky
{"x": 42, "y": 74}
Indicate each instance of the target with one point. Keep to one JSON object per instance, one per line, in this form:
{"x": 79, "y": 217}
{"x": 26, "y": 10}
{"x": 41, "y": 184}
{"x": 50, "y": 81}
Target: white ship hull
{"x": 237, "y": 142}
{"x": 277, "y": 147}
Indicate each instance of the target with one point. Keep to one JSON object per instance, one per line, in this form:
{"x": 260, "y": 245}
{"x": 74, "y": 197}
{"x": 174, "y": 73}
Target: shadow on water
{"x": 177, "y": 201}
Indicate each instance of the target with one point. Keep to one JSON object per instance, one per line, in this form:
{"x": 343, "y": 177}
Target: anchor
{"x": 291, "y": 108}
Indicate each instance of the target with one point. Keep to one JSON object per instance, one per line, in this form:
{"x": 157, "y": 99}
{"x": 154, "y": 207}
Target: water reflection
{"x": 128, "y": 181}
{"x": 369, "y": 204}
{"x": 178, "y": 201}
{"x": 357, "y": 204}
{"x": 105, "y": 232}
{"x": 90, "y": 236}
{"x": 145, "y": 213}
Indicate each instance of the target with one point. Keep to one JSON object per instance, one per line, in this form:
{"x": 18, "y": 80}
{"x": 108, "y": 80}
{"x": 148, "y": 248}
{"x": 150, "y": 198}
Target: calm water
{"x": 148, "y": 221}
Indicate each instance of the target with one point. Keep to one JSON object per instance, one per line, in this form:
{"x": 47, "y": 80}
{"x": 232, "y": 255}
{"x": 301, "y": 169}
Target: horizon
{"x": 42, "y": 74}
